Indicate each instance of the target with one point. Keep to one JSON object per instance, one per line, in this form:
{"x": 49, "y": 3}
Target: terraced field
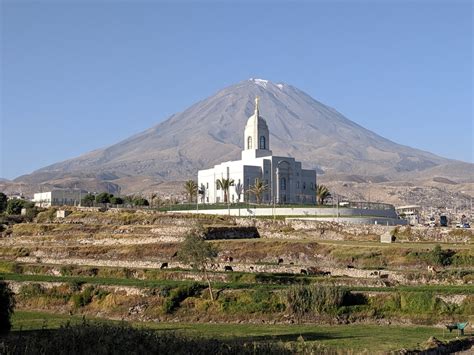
{"x": 118, "y": 265}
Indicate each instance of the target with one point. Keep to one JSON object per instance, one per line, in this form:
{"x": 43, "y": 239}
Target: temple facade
{"x": 286, "y": 182}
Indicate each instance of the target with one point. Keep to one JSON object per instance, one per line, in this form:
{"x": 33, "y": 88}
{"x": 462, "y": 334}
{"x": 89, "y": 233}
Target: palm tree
{"x": 191, "y": 189}
{"x": 322, "y": 193}
{"x": 258, "y": 189}
{"x": 225, "y": 185}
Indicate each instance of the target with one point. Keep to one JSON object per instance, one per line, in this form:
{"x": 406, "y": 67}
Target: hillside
{"x": 211, "y": 131}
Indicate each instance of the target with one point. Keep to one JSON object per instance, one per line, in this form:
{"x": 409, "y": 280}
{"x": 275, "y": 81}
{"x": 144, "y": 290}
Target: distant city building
{"x": 286, "y": 181}
{"x": 59, "y": 197}
{"x": 411, "y": 213}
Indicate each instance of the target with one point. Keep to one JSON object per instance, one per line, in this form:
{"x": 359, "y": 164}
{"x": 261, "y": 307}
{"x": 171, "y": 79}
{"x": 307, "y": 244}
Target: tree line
{"x": 106, "y": 198}
{"x": 257, "y": 190}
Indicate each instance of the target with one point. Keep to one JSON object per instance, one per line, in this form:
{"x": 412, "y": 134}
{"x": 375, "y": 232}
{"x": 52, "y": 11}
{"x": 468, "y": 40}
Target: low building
{"x": 410, "y": 213}
{"x": 59, "y": 197}
{"x": 285, "y": 180}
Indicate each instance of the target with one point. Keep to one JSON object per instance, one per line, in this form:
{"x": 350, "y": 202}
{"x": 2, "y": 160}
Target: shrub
{"x": 31, "y": 290}
{"x": 84, "y": 298}
{"x": 260, "y": 300}
{"x": 441, "y": 257}
{"x": 115, "y": 200}
{"x": 88, "y": 200}
{"x": 66, "y": 270}
{"x": 141, "y": 202}
{"x": 178, "y": 295}
{"x": 314, "y": 298}
{"x": 103, "y": 197}
{"x": 15, "y": 206}
{"x": 46, "y": 216}
{"x": 7, "y": 305}
{"x": 3, "y": 202}
{"x": 462, "y": 259}
{"x": 75, "y": 285}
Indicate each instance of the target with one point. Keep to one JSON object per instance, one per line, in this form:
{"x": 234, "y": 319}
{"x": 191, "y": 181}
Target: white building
{"x": 286, "y": 181}
{"x": 411, "y": 213}
{"x": 59, "y": 197}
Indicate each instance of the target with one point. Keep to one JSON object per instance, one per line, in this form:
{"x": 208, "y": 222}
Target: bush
{"x": 7, "y": 305}
{"x": 303, "y": 299}
{"x": 88, "y": 200}
{"x": 178, "y": 295}
{"x": 103, "y": 197}
{"x": 15, "y": 206}
{"x": 141, "y": 202}
{"x": 84, "y": 298}
{"x": 3, "y": 202}
{"x": 31, "y": 290}
{"x": 46, "y": 216}
{"x": 116, "y": 200}
{"x": 440, "y": 257}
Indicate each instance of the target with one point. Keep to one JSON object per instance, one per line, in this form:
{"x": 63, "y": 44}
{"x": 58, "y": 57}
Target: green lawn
{"x": 357, "y": 337}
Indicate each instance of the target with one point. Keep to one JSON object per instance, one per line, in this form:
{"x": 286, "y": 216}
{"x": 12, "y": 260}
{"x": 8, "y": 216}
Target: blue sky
{"x": 81, "y": 75}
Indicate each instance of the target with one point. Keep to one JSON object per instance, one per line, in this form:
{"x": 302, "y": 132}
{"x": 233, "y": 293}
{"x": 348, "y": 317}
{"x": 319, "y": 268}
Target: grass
{"x": 438, "y": 289}
{"x": 374, "y": 338}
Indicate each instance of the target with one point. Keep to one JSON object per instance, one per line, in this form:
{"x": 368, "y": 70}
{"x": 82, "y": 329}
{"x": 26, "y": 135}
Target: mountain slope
{"x": 211, "y": 131}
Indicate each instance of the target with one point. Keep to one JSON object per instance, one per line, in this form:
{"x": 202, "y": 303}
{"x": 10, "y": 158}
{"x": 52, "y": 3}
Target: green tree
{"x": 115, "y": 200}
{"x": 129, "y": 199}
{"x": 14, "y": 206}
{"x": 140, "y": 201}
{"x": 191, "y": 188}
{"x": 258, "y": 189}
{"x": 322, "y": 194}
{"x": 225, "y": 185}
{"x": 103, "y": 197}
{"x": 3, "y": 202}
{"x": 7, "y": 305}
{"x": 196, "y": 251}
{"x": 88, "y": 200}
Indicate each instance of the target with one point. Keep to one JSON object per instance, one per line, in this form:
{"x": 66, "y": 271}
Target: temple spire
{"x": 256, "y": 106}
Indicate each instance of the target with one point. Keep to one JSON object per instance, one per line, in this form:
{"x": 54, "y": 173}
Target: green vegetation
{"x": 14, "y": 206}
{"x": 180, "y": 294}
{"x": 140, "y": 202}
{"x": 115, "y": 200}
{"x": 225, "y": 184}
{"x": 258, "y": 189}
{"x": 103, "y": 197}
{"x": 191, "y": 189}
{"x": 3, "y": 202}
{"x": 199, "y": 253}
{"x": 322, "y": 194}
{"x": 304, "y": 337}
{"x": 100, "y": 338}
{"x": 7, "y": 305}
{"x": 316, "y": 299}
{"x": 88, "y": 200}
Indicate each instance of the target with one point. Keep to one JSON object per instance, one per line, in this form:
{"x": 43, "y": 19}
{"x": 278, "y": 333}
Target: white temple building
{"x": 286, "y": 181}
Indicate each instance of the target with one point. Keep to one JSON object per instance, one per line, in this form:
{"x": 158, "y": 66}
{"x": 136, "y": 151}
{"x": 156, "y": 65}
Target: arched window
{"x": 262, "y": 142}
{"x": 249, "y": 142}
{"x": 282, "y": 184}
